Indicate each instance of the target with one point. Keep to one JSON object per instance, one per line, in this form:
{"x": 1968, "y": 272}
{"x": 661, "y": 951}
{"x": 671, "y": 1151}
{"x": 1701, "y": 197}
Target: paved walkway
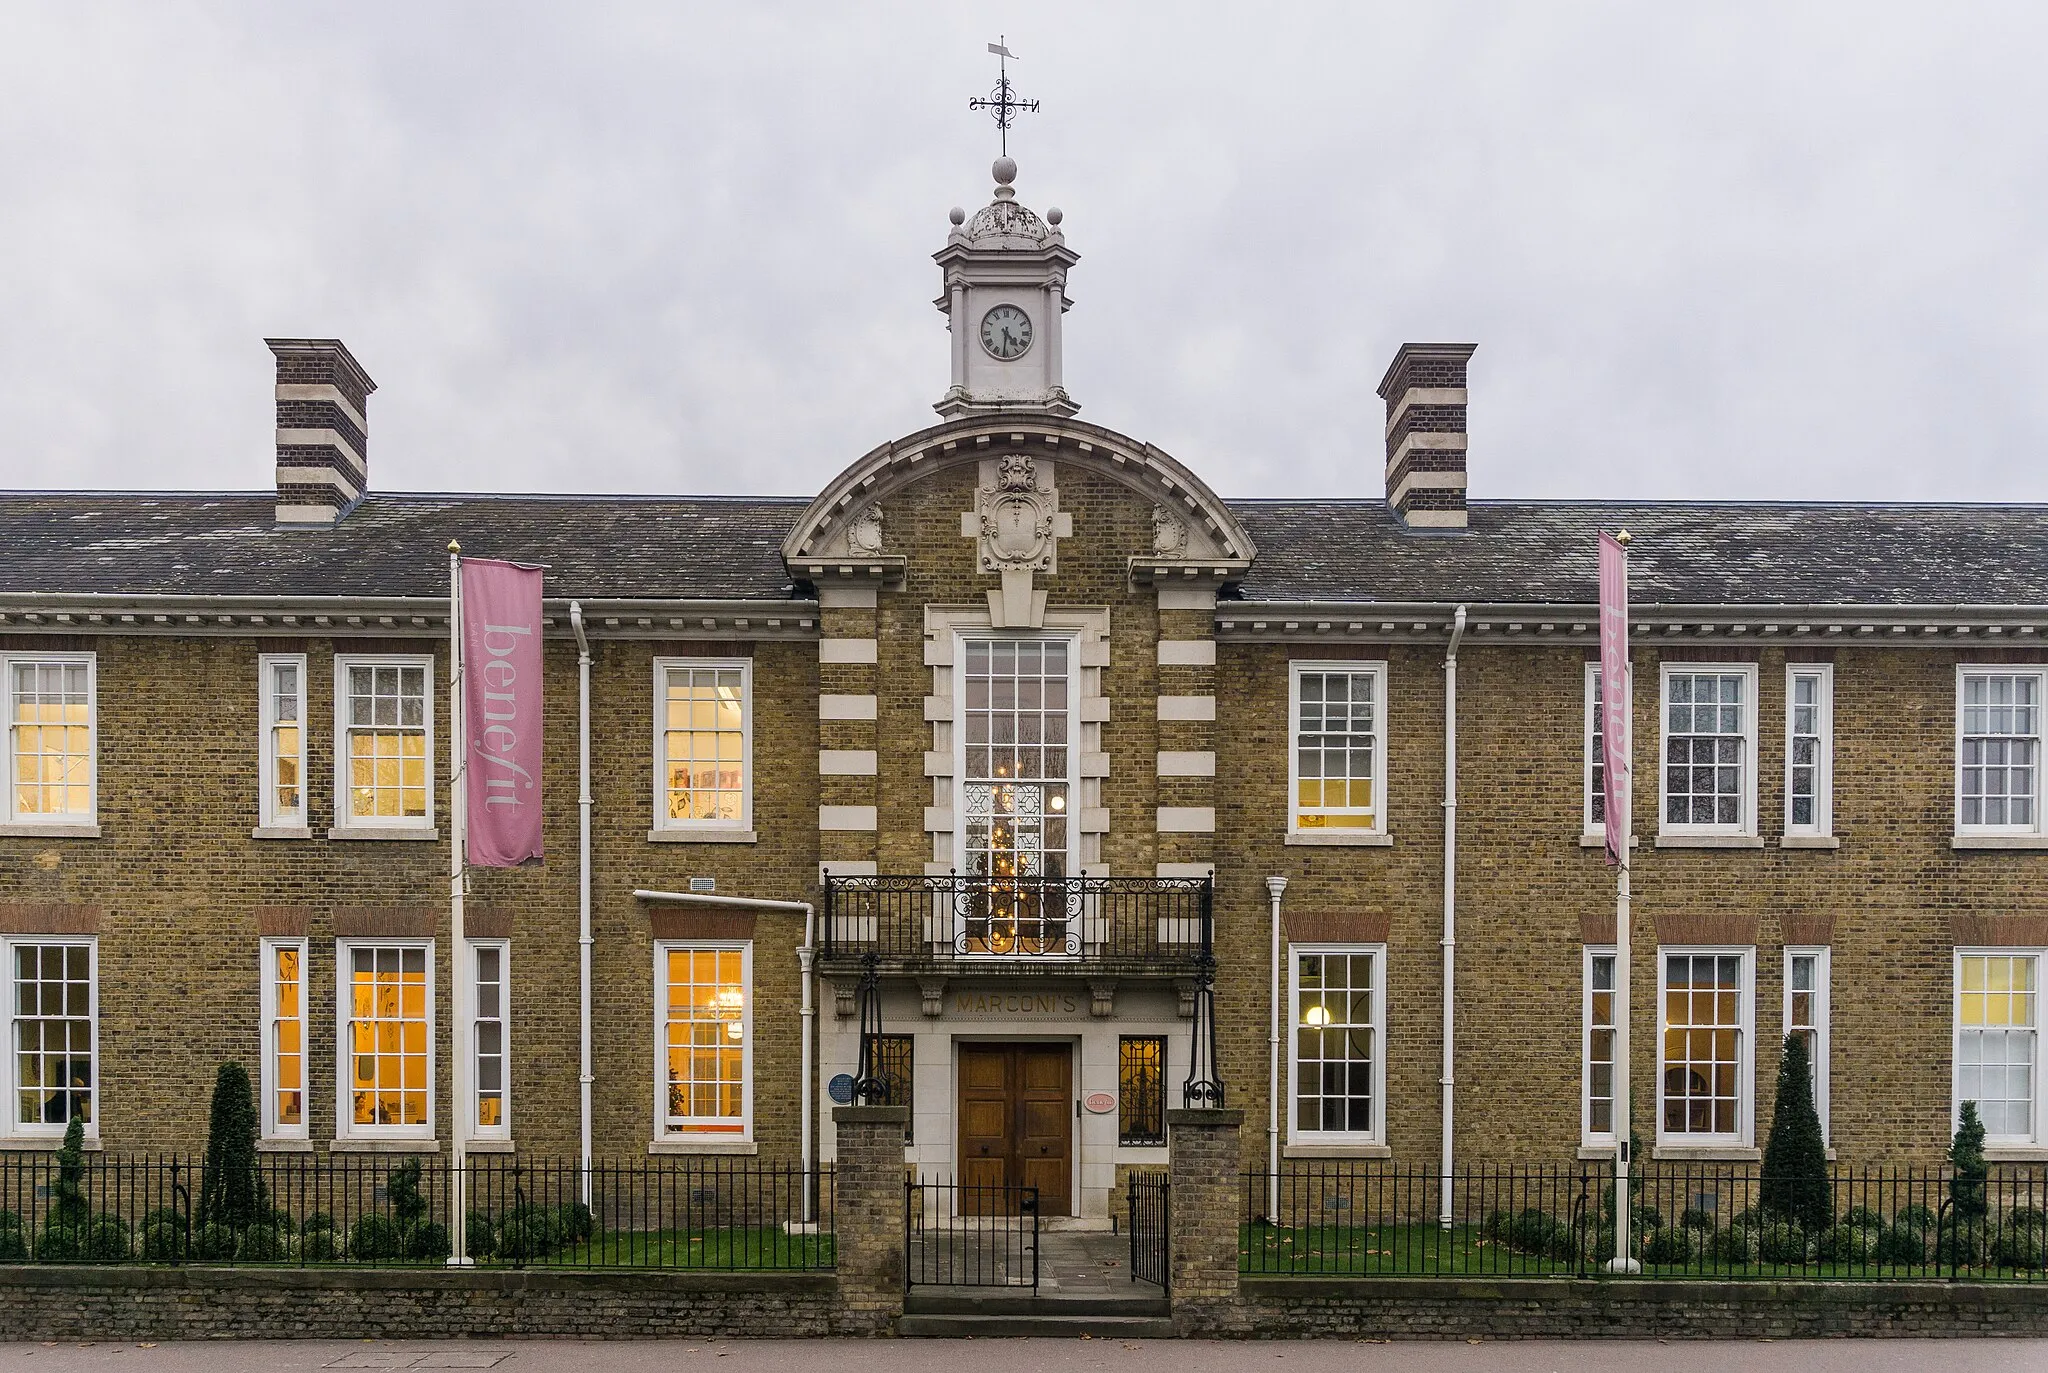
{"x": 1036, "y": 1356}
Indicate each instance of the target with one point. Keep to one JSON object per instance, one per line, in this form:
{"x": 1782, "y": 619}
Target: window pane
{"x": 53, "y": 1034}
{"x": 1141, "y": 1090}
{"x": 51, "y": 739}
{"x": 1705, "y": 749}
{"x": 1336, "y": 751}
{"x": 705, "y": 1040}
{"x": 1335, "y": 1050}
{"x": 703, "y": 744}
{"x": 1702, "y": 1043}
{"x": 388, "y": 1032}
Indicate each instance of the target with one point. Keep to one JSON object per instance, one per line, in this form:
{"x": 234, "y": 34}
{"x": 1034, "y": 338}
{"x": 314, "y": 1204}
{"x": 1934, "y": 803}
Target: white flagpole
{"x": 1623, "y": 1128}
{"x": 458, "y": 972}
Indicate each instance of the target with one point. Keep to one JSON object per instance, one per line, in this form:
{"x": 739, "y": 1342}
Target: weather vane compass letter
{"x": 1003, "y": 101}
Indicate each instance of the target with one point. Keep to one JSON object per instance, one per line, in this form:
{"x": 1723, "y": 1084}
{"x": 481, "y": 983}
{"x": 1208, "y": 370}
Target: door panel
{"x": 1017, "y": 1123}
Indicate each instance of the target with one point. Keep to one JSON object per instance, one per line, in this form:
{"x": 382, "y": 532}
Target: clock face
{"x": 1006, "y": 332}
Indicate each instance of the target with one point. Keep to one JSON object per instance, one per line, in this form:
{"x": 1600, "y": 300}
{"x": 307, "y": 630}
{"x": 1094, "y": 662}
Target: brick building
{"x": 1031, "y": 719}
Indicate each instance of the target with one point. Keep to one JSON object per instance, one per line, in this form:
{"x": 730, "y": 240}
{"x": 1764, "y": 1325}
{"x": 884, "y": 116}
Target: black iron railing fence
{"x": 1136, "y": 922}
{"x": 683, "y": 1213}
{"x": 958, "y": 1234}
{"x": 1688, "y": 1220}
{"x": 1150, "y": 1200}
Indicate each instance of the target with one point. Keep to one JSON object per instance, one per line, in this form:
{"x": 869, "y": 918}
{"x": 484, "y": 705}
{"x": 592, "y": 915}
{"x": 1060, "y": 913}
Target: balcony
{"x": 1125, "y": 926}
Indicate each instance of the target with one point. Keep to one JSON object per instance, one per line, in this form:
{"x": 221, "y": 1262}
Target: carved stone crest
{"x": 1017, "y": 515}
{"x": 864, "y": 534}
{"x": 1169, "y": 534}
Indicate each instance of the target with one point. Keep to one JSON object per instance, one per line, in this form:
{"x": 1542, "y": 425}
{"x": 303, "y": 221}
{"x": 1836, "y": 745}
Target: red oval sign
{"x": 1101, "y": 1103}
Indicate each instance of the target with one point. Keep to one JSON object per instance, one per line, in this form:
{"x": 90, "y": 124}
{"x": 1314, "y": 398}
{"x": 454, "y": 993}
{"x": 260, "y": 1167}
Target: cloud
{"x": 1746, "y": 251}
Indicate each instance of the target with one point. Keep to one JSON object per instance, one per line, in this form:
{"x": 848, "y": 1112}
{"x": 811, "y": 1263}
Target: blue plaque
{"x": 841, "y": 1088}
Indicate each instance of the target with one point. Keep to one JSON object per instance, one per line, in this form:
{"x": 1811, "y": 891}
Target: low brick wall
{"x": 49, "y": 1303}
{"x": 1427, "y": 1308}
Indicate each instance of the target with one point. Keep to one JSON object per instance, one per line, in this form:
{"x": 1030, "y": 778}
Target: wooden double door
{"x": 1016, "y": 1126}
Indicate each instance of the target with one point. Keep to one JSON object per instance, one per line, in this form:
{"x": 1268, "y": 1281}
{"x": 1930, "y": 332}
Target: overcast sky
{"x": 1731, "y": 251}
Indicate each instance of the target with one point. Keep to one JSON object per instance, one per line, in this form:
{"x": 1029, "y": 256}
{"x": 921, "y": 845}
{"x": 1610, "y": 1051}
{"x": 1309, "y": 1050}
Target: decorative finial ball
{"x": 1053, "y": 216}
{"x": 1005, "y": 170}
{"x": 957, "y": 215}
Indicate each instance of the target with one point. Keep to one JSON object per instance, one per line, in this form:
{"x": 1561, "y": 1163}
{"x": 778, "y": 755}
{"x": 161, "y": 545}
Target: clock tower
{"x": 1005, "y": 273}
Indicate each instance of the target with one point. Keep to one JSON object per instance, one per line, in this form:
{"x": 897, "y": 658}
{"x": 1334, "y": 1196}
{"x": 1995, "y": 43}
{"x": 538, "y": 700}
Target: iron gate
{"x": 966, "y": 1235}
{"x": 1150, "y": 1200}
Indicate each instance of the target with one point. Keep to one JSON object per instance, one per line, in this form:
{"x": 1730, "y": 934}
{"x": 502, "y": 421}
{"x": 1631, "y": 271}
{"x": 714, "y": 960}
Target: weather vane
{"x": 1003, "y": 100}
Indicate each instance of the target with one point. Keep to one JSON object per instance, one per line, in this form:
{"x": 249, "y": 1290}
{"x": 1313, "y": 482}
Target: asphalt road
{"x": 1034, "y": 1356}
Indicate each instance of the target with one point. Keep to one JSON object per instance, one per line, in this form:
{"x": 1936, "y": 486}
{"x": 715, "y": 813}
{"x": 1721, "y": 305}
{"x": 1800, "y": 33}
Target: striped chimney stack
{"x": 323, "y": 461}
{"x": 1425, "y": 394}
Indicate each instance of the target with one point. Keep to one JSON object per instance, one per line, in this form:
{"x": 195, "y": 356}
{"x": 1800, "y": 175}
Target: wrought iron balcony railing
{"x": 1160, "y": 924}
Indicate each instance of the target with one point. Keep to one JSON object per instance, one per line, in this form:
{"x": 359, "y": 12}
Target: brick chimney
{"x": 1425, "y": 394}
{"x": 323, "y": 457}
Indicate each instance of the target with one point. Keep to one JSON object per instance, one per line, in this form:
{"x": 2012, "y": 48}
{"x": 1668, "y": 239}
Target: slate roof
{"x": 1684, "y": 553}
{"x": 595, "y": 547}
{"x": 628, "y": 547}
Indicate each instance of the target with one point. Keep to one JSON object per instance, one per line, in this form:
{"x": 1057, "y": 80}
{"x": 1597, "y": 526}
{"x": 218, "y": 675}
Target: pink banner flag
{"x": 501, "y": 710}
{"x": 1614, "y": 692}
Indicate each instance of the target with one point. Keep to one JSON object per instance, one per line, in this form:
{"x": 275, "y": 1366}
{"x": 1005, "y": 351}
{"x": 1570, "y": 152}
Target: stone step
{"x": 1039, "y": 1327}
{"x": 1089, "y": 1305}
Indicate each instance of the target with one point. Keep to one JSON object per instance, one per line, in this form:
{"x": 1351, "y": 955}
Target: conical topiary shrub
{"x": 1969, "y": 1174}
{"x": 231, "y": 1192}
{"x": 1794, "y": 1183}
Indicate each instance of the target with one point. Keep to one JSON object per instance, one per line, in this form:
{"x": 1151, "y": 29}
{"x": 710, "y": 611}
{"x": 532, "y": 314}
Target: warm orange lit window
{"x": 388, "y": 1037}
{"x": 1339, "y": 747}
{"x": 707, "y": 1050}
{"x": 387, "y": 743}
{"x": 493, "y": 1057}
{"x": 284, "y": 1038}
{"x": 49, "y": 738}
{"x": 703, "y": 745}
{"x": 284, "y": 740}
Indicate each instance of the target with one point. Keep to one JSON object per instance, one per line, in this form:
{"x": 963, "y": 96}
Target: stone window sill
{"x": 284, "y": 1146}
{"x": 1709, "y": 841}
{"x": 33, "y": 830}
{"x": 1596, "y": 839}
{"x": 1809, "y": 841}
{"x": 384, "y": 1146}
{"x": 1596, "y": 1153}
{"x": 703, "y": 1146}
{"x": 702, "y": 837}
{"x": 1340, "y": 839}
{"x": 281, "y": 832}
{"x": 45, "y": 1144}
{"x": 1707, "y": 1153}
{"x": 489, "y": 1146}
{"x": 2015, "y": 1153}
{"x": 1337, "y": 1151}
{"x": 422, "y": 833}
{"x": 1999, "y": 841}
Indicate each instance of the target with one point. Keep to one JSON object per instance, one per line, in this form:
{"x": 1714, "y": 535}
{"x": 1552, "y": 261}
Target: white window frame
{"x": 711, "y": 1141}
{"x": 662, "y": 824}
{"x": 1073, "y": 745}
{"x": 345, "y": 1127}
{"x": 1823, "y": 1030}
{"x": 1745, "y": 1052}
{"x": 67, "y": 819}
{"x": 267, "y": 814}
{"x": 267, "y": 1075}
{"x": 2040, "y": 674}
{"x": 1955, "y": 1015}
{"x": 503, "y": 1129}
{"x": 1746, "y": 826}
{"x": 1588, "y": 1136}
{"x": 1377, "y": 669}
{"x": 344, "y": 816}
{"x": 1823, "y": 825}
{"x": 40, "y": 1130}
{"x": 1378, "y": 1133}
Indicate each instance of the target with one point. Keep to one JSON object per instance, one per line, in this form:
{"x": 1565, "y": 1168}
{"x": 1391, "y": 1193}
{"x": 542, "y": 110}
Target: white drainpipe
{"x": 583, "y": 941}
{"x": 1274, "y": 886}
{"x": 1450, "y": 1081}
{"x": 805, "y": 957}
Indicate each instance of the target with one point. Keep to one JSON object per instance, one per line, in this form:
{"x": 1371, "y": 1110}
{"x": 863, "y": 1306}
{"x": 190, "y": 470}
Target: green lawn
{"x": 765, "y": 1247}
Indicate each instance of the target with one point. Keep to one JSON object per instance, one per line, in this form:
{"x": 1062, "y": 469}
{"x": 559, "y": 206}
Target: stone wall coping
{"x": 870, "y": 1115}
{"x": 1199, "y": 1116}
{"x": 200, "y": 1277}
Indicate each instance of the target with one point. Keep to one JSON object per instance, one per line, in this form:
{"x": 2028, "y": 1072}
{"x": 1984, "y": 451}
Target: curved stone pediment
{"x": 1193, "y": 531}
